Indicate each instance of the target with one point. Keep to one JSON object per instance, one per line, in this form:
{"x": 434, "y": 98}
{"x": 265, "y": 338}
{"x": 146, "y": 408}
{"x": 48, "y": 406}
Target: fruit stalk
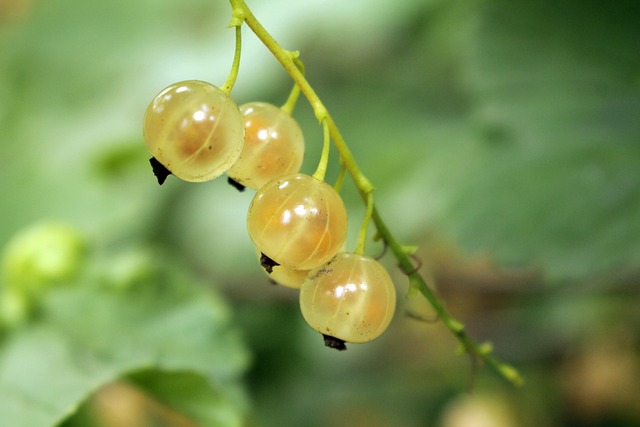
{"x": 478, "y": 353}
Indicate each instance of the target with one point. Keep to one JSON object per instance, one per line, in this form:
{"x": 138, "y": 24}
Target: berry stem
{"x": 321, "y": 171}
{"x": 362, "y": 235}
{"x": 291, "y": 101}
{"x": 340, "y": 179}
{"x": 233, "y": 74}
{"x": 295, "y": 92}
{"x": 478, "y": 353}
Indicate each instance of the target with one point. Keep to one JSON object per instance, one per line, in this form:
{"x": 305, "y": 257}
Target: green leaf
{"x": 88, "y": 336}
{"x": 555, "y": 180}
{"x": 190, "y": 394}
{"x": 73, "y": 92}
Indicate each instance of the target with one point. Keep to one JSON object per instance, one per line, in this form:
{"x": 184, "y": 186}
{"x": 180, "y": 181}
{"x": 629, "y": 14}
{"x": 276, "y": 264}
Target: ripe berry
{"x": 273, "y": 146}
{"x": 194, "y": 130}
{"x": 351, "y": 298}
{"x": 298, "y": 221}
{"x": 280, "y": 274}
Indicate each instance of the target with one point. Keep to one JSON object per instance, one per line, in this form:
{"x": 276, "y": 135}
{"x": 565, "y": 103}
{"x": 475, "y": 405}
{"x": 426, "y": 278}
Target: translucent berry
{"x": 288, "y": 277}
{"x": 273, "y": 147}
{"x": 283, "y": 275}
{"x": 351, "y": 298}
{"x": 194, "y": 130}
{"x": 298, "y": 221}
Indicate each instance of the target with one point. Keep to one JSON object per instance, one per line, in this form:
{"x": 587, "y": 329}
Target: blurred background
{"x": 503, "y": 138}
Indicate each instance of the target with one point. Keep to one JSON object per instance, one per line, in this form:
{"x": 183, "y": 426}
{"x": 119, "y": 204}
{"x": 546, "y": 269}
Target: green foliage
{"x": 193, "y": 395}
{"x": 43, "y": 255}
{"x": 515, "y": 131}
{"x": 558, "y": 110}
{"x": 509, "y": 128}
{"x": 91, "y": 333}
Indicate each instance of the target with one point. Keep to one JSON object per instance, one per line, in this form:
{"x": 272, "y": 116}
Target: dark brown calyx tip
{"x": 267, "y": 263}
{"x": 235, "y": 184}
{"x": 159, "y": 170}
{"x": 333, "y": 342}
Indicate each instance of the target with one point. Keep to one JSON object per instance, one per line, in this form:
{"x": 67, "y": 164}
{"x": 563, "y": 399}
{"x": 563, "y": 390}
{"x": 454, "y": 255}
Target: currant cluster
{"x": 297, "y": 222}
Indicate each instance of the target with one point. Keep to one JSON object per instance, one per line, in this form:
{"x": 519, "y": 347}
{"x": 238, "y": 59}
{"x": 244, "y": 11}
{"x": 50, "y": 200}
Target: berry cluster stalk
{"x": 480, "y": 353}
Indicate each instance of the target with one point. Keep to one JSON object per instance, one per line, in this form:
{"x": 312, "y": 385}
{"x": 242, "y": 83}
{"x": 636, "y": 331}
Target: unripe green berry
{"x": 42, "y": 255}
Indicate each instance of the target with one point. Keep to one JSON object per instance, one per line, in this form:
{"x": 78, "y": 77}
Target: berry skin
{"x": 273, "y": 146}
{"x": 298, "y": 221}
{"x": 351, "y": 298}
{"x": 194, "y": 130}
{"x": 281, "y": 274}
{"x": 289, "y": 277}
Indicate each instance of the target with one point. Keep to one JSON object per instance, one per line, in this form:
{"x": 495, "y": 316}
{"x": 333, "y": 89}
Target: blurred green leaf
{"x": 510, "y": 127}
{"x": 192, "y": 395}
{"x": 558, "y": 108}
{"x": 75, "y": 80}
{"x": 88, "y": 336}
{"x": 520, "y": 142}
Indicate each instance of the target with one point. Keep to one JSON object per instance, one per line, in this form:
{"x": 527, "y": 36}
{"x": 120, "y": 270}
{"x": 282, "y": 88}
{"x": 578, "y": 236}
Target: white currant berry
{"x": 351, "y": 298}
{"x": 194, "y": 130}
{"x": 298, "y": 221}
{"x": 273, "y": 146}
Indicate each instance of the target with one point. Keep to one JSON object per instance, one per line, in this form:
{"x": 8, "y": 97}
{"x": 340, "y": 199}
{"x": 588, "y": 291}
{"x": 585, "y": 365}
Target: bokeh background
{"x": 503, "y": 138}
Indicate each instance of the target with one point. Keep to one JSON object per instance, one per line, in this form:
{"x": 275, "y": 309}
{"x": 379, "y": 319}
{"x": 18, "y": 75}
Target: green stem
{"x": 477, "y": 351}
{"x": 321, "y": 171}
{"x": 362, "y": 235}
{"x": 233, "y": 74}
{"x": 291, "y": 101}
{"x": 340, "y": 179}
{"x": 295, "y": 92}
{"x": 289, "y": 63}
{"x": 481, "y": 353}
